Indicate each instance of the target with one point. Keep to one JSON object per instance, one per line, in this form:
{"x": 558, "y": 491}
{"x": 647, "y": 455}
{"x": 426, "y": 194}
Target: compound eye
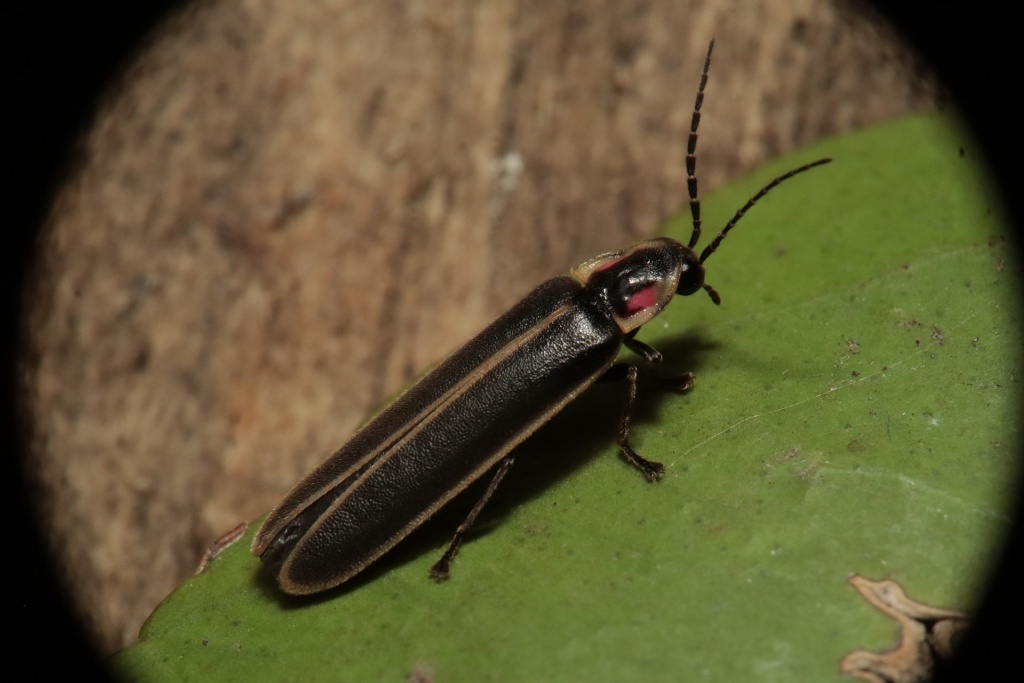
{"x": 691, "y": 277}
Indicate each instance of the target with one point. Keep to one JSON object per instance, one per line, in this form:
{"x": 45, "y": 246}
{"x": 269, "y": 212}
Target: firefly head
{"x": 638, "y": 282}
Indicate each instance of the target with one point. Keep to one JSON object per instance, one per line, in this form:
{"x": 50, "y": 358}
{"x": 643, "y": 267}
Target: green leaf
{"x": 853, "y": 412}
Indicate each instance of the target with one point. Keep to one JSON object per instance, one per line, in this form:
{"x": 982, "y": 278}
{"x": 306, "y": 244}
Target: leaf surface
{"x": 854, "y": 411}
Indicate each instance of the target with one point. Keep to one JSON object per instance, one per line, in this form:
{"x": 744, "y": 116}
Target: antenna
{"x": 710, "y": 249}
{"x": 691, "y": 151}
{"x": 691, "y": 180}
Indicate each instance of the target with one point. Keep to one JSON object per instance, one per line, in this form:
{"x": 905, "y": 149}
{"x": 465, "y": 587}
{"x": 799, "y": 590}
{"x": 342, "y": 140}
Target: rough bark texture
{"x": 285, "y": 211}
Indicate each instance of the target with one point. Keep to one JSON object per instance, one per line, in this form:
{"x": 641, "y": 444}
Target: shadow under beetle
{"x": 465, "y": 417}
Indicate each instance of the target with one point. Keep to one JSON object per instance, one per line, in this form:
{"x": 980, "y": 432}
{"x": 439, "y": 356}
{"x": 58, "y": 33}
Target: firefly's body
{"x": 461, "y": 419}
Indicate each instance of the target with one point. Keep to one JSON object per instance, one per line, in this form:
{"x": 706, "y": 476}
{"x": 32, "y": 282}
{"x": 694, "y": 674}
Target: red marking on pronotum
{"x": 642, "y": 300}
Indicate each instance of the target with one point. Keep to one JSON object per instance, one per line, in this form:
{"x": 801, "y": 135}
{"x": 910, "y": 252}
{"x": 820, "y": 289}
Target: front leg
{"x": 653, "y": 357}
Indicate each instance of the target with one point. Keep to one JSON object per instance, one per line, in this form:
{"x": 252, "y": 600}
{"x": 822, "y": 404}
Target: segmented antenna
{"x": 691, "y": 180}
{"x": 691, "y": 149}
{"x": 710, "y": 249}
